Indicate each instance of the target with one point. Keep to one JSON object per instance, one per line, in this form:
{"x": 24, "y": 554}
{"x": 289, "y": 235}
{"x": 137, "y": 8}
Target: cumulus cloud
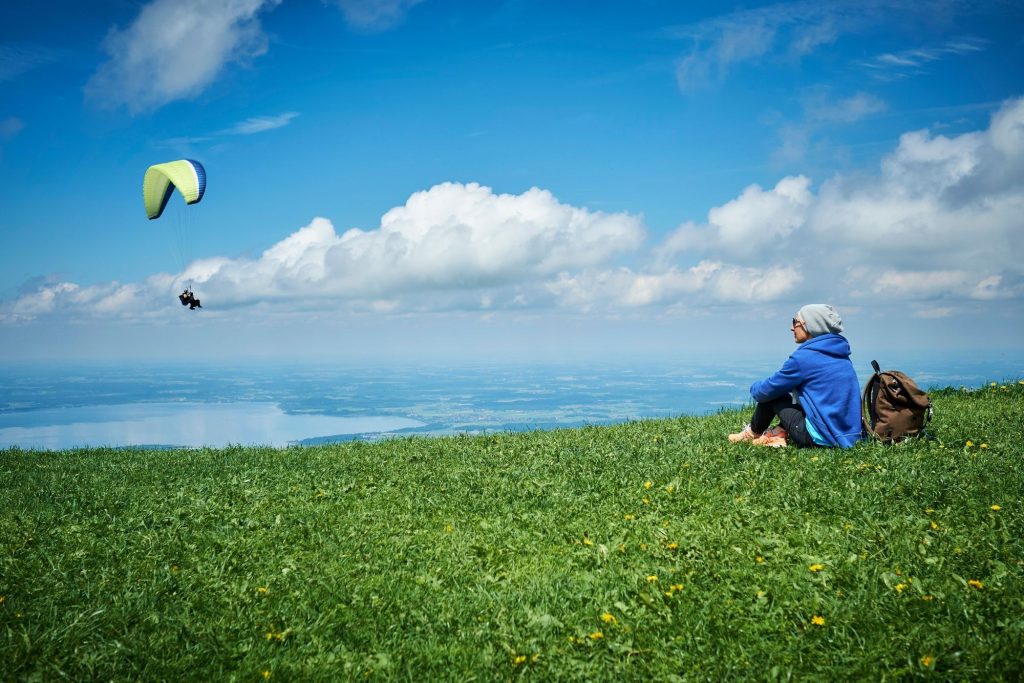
{"x": 175, "y": 49}
{"x": 936, "y": 227}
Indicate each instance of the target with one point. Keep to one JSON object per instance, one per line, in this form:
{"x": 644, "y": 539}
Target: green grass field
{"x": 652, "y": 550}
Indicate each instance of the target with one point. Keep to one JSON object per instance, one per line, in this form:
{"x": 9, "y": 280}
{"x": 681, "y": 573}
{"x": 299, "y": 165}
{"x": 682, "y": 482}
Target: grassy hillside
{"x": 648, "y": 550}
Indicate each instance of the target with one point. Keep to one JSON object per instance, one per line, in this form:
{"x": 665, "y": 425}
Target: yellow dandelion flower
{"x": 2, "y": 598}
{"x": 759, "y": 559}
{"x": 262, "y": 590}
{"x": 900, "y": 587}
{"x": 596, "y": 635}
{"x": 647, "y": 501}
{"x": 997, "y": 508}
{"x": 652, "y": 578}
{"x": 664, "y": 525}
{"x": 628, "y": 518}
{"x": 977, "y": 584}
{"x": 929, "y": 511}
{"x": 648, "y": 484}
{"x": 670, "y": 489}
{"x": 927, "y": 661}
{"x": 643, "y": 546}
{"x": 520, "y": 659}
{"x": 266, "y": 673}
{"x": 969, "y": 443}
{"x": 934, "y": 526}
{"x": 984, "y": 445}
{"x": 814, "y": 458}
{"x": 673, "y": 546}
{"x": 448, "y": 528}
{"x": 816, "y": 567}
{"x": 927, "y": 598}
{"x": 587, "y": 541}
{"x": 676, "y": 587}
{"x": 609, "y": 618}
{"x": 818, "y": 620}
{"x": 994, "y": 384}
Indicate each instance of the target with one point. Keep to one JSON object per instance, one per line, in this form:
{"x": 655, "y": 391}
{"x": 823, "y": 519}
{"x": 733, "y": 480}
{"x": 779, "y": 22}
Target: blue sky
{"x": 393, "y": 179}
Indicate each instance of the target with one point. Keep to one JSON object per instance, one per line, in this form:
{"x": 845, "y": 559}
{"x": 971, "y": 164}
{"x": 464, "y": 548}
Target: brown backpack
{"x": 894, "y": 407}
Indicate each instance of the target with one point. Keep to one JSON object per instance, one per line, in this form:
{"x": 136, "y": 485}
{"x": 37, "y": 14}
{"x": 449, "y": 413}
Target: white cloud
{"x": 936, "y": 228}
{"x": 743, "y": 228}
{"x": 375, "y": 15}
{"x": 259, "y": 124}
{"x": 892, "y": 66}
{"x": 175, "y": 49}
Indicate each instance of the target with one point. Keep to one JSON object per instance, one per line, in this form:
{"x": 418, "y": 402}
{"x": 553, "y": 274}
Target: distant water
{"x": 165, "y": 406}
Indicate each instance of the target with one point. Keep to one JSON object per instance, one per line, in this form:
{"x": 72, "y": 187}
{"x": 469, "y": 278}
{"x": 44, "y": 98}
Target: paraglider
{"x": 188, "y": 177}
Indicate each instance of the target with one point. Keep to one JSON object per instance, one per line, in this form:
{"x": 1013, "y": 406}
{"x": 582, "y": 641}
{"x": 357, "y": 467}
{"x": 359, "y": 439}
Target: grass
{"x": 651, "y": 550}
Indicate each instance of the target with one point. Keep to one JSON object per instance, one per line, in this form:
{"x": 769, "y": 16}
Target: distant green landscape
{"x": 650, "y": 550}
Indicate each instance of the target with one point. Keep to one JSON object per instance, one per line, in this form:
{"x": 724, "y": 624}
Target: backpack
{"x": 894, "y": 406}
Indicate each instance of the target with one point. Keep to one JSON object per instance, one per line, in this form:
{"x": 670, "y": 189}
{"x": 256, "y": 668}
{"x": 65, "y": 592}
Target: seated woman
{"x": 815, "y": 395}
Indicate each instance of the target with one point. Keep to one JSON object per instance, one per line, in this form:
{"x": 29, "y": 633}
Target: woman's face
{"x": 799, "y": 333}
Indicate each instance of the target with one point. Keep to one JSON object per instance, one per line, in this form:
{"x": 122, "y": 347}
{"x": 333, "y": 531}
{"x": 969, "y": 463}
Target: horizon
{"x": 407, "y": 181}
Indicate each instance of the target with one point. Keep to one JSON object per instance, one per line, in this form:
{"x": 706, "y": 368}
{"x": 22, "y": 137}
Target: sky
{"x": 394, "y": 180}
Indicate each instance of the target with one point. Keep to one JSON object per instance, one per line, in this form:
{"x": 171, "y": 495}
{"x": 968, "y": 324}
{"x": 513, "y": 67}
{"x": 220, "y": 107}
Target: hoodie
{"x": 822, "y": 377}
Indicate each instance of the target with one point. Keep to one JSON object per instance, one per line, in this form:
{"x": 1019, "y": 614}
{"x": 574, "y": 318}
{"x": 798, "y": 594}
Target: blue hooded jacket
{"x": 821, "y": 374}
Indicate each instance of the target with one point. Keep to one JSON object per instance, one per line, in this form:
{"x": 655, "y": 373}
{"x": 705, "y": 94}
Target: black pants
{"x": 791, "y": 417}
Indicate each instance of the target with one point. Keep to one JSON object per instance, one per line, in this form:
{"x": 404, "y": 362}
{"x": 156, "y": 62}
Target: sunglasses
{"x": 797, "y": 322}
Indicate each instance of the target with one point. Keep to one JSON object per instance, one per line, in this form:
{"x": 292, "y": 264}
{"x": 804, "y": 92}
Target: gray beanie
{"x": 820, "y": 319}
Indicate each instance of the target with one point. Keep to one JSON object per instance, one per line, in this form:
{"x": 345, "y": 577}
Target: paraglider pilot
{"x": 187, "y": 299}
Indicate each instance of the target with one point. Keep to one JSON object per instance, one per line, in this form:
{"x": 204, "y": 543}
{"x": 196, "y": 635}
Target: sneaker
{"x": 773, "y": 438}
{"x": 745, "y": 435}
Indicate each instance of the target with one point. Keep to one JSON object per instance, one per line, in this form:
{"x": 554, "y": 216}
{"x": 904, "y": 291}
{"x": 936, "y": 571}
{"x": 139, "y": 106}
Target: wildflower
{"x": 648, "y": 484}
{"x": 759, "y": 559}
{"x": 2, "y": 598}
{"x": 448, "y": 528}
{"x": 628, "y": 518}
{"x": 927, "y": 598}
{"x": 814, "y": 458}
{"x": 984, "y": 445}
{"x": 977, "y": 584}
{"x": 596, "y": 635}
{"x": 609, "y": 618}
{"x": 670, "y": 488}
{"x": 818, "y": 620}
{"x": 676, "y": 587}
{"x": 647, "y": 501}
{"x": 994, "y": 384}
{"x": 996, "y": 508}
{"x": 643, "y": 546}
{"x": 900, "y": 587}
{"x": 262, "y": 590}
{"x": 927, "y": 661}
{"x": 520, "y": 659}
{"x": 266, "y": 674}
{"x": 969, "y": 443}
{"x": 587, "y": 541}
{"x": 673, "y": 546}
{"x": 816, "y": 567}
{"x": 934, "y": 526}
{"x": 929, "y": 511}
{"x": 652, "y": 578}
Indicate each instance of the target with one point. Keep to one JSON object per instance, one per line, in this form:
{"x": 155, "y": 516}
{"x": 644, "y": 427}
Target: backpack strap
{"x": 867, "y": 404}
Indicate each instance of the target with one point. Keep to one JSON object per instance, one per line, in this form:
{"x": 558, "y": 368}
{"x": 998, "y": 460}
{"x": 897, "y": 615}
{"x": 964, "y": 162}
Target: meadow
{"x": 650, "y": 550}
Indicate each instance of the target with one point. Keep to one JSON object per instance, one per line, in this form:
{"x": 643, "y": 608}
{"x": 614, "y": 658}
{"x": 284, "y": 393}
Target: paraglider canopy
{"x": 160, "y": 181}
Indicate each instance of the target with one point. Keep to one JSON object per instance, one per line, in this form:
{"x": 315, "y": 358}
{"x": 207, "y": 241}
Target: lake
{"x": 60, "y": 407}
